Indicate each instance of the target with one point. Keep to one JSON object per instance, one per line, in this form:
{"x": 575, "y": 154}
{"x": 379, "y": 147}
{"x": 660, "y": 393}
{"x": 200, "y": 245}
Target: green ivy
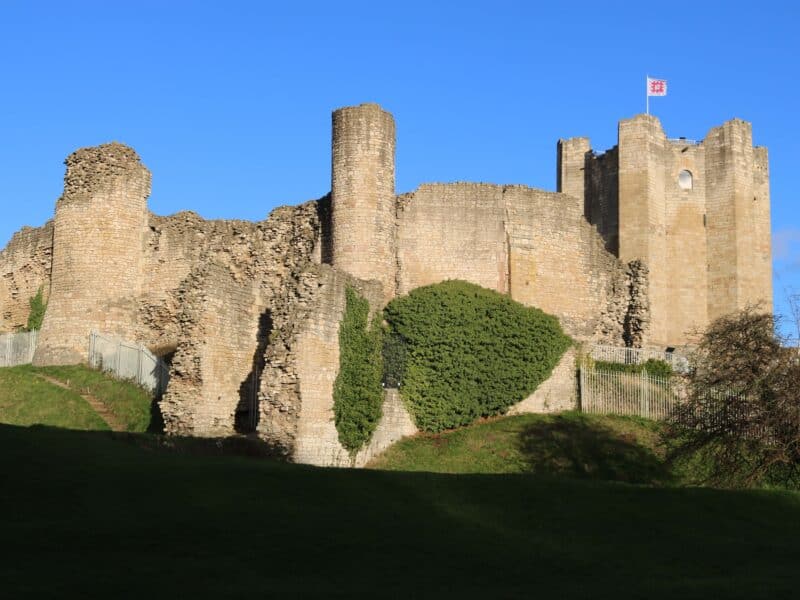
{"x": 38, "y": 308}
{"x": 470, "y": 352}
{"x": 357, "y": 391}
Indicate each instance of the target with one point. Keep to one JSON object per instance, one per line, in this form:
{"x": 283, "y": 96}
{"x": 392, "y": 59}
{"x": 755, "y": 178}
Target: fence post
{"x": 139, "y": 378}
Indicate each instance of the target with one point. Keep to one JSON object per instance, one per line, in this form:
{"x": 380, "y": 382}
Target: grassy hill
{"x": 568, "y": 444}
{"x": 98, "y": 513}
{"x": 30, "y": 396}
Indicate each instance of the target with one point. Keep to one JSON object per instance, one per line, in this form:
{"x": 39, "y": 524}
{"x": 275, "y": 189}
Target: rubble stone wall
{"x": 25, "y": 266}
{"x": 302, "y": 362}
{"x": 220, "y": 318}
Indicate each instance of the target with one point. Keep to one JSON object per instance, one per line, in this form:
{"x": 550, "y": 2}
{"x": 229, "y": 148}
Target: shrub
{"x": 38, "y": 308}
{"x": 357, "y": 391}
{"x": 741, "y": 418}
{"x": 470, "y": 352}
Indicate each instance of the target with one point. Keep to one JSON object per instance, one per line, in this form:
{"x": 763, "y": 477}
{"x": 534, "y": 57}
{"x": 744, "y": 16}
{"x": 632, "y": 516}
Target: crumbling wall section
{"x": 302, "y": 362}
{"x": 25, "y": 267}
{"x": 224, "y": 315}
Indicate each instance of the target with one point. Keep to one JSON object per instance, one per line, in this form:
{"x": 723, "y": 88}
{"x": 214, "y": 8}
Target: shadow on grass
{"x": 577, "y": 447}
{"x": 237, "y": 445}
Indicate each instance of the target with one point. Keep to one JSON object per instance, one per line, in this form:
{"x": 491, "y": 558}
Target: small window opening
{"x": 685, "y": 180}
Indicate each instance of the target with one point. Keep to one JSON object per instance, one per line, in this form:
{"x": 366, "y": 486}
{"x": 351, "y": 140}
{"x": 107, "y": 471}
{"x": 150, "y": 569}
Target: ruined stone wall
{"x": 98, "y": 252}
{"x": 363, "y": 195}
{"x": 302, "y": 361}
{"x": 534, "y": 244}
{"x": 25, "y": 266}
{"x": 222, "y": 315}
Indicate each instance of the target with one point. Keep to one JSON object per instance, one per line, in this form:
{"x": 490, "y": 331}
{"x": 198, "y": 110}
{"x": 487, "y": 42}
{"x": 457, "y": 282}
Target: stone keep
{"x": 696, "y": 213}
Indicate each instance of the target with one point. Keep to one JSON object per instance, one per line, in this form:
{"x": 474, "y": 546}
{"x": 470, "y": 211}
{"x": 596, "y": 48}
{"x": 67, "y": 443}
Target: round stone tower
{"x": 362, "y": 194}
{"x": 98, "y": 252}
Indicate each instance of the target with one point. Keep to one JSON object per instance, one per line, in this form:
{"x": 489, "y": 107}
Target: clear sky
{"x": 228, "y": 103}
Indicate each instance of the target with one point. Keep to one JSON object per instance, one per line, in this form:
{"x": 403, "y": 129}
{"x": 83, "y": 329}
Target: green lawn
{"x": 27, "y": 400}
{"x": 92, "y": 514}
{"x": 46, "y": 404}
{"x": 568, "y": 444}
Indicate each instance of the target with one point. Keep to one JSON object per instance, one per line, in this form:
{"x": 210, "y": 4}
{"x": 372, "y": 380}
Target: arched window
{"x": 685, "y": 180}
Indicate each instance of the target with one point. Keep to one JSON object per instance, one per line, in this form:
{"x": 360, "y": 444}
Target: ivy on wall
{"x": 36, "y": 316}
{"x": 357, "y": 391}
{"x": 470, "y": 352}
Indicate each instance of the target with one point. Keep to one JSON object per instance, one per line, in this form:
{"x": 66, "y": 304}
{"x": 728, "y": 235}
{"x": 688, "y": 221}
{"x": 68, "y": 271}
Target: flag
{"x": 656, "y": 87}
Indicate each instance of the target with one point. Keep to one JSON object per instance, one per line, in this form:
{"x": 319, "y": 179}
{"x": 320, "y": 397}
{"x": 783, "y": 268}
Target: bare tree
{"x": 742, "y": 413}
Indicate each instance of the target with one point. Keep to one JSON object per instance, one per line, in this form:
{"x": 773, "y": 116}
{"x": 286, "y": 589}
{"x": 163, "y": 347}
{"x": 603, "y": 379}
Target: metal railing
{"x": 17, "y": 348}
{"x": 620, "y": 393}
{"x": 637, "y": 356}
{"x": 128, "y": 360}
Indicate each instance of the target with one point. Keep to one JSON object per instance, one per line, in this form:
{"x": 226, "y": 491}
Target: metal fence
{"x": 17, "y": 348}
{"x": 636, "y": 356}
{"x": 128, "y": 360}
{"x": 620, "y": 393}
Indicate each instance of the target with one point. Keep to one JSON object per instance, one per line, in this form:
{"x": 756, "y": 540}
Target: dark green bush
{"x": 470, "y": 352}
{"x": 36, "y": 316}
{"x": 357, "y": 391}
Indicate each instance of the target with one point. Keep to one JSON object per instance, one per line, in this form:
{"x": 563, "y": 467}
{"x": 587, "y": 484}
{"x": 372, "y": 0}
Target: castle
{"x": 640, "y": 246}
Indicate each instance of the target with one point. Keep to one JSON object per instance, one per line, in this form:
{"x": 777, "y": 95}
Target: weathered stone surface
{"x": 302, "y": 362}
{"x": 25, "y": 266}
{"x": 706, "y": 244}
{"x": 219, "y": 320}
{"x": 558, "y": 393}
{"x": 98, "y": 253}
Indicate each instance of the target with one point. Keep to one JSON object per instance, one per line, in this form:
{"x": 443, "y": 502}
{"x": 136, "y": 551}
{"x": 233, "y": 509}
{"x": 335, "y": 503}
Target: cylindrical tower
{"x": 98, "y": 252}
{"x": 362, "y": 194}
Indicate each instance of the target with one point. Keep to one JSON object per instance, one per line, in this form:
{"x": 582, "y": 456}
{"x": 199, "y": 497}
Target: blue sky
{"x": 228, "y": 103}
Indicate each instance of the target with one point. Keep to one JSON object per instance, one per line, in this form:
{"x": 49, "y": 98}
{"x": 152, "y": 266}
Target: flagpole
{"x": 647, "y": 94}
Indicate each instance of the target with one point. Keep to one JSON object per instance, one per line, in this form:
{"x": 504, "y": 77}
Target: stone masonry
{"x": 641, "y": 246}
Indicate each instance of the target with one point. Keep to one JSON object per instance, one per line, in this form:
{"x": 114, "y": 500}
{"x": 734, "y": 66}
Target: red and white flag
{"x": 656, "y": 87}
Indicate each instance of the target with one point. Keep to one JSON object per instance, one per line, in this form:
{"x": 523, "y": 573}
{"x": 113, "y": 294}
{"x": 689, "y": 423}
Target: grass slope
{"x": 85, "y": 514}
{"x": 28, "y": 400}
{"x": 567, "y": 444}
{"x": 22, "y": 394}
